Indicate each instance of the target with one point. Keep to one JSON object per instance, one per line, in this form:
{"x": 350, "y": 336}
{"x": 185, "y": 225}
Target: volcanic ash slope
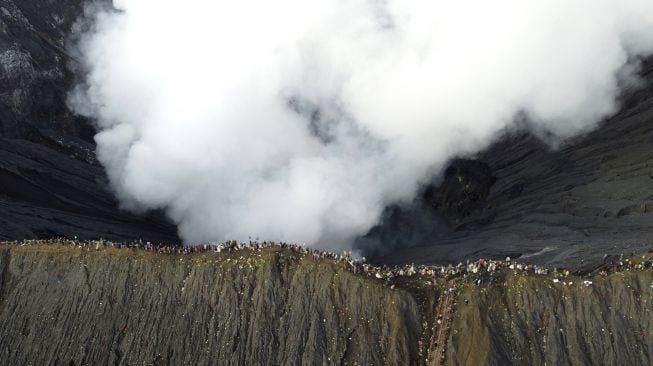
{"x": 62, "y": 304}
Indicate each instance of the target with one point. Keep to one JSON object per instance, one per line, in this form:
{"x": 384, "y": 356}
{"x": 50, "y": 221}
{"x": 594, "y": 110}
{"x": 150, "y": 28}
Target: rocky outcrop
{"x": 70, "y": 305}
{"x": 34, "y": 73}
{"x": 464, "y": 188}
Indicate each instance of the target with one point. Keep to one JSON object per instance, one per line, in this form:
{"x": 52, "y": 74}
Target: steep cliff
{"x": 69, "y": 305}
{"x": 119, "y": 307}
{"x": 529, "y": 320}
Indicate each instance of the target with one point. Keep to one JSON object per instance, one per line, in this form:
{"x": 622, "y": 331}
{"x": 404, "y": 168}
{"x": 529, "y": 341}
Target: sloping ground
{"x": 64, "y": 305}
{"x": 522, "y": 320}
{"x": 46, "y": 194}
{"x": 119, "y": 307}
{"x": 567, "y": 206}
{"x": 50, "y": 182}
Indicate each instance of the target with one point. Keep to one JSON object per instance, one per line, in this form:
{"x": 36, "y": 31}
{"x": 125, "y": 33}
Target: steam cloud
{"x": 301, "y": 120}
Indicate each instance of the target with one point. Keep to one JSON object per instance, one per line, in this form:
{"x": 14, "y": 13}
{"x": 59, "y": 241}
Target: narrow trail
{"x": 442, "y": 324}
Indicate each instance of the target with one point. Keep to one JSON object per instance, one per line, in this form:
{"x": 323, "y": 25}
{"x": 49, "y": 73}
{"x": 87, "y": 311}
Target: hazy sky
{"x": 300, "y": 120}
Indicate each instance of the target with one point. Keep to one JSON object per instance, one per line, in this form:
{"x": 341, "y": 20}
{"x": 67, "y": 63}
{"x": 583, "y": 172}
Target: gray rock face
{"x": 47, "y": 194}
{"x": 50, "y": 182}
{"x": 568, "y": 206}
{"x": 34, "y": 77}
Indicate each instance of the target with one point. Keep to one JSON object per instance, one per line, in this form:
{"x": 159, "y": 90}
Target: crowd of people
{"x": 387, "y": 273}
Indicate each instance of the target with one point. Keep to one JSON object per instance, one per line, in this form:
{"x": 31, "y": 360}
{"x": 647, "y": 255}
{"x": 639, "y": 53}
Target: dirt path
{"x": 442, "y": 324}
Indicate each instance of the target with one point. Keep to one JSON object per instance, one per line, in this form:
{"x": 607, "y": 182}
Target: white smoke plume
{"x": 300, "y": 120}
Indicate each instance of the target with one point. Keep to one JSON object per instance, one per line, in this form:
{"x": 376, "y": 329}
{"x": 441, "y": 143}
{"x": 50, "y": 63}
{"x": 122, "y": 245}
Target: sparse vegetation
{"x": 278, "y": 306}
